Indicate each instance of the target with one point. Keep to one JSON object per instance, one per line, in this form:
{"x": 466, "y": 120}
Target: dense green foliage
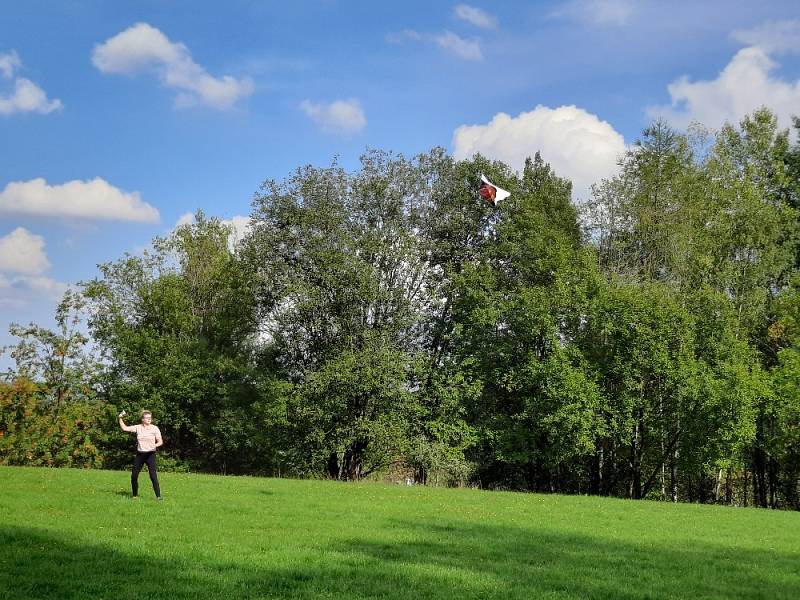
{"x": 390, "y": 322}
{"x": 32, "y": 432}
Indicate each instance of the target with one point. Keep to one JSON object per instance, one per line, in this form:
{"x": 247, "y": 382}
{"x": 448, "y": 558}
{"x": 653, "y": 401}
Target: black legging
{"x": 141, "y": 459}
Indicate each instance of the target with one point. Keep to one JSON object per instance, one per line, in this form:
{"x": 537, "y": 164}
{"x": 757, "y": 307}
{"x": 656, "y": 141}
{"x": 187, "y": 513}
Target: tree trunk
{"x": 333, "y": 466}
{"x": 673, "y": 476}
{"x": 772, "y": 471}
{"x": 420, "y": 475}
{"x": 728, "y": 487}
{"x": 759, "y": 466}
{"x": 635, "y": 487}
{"x": 353, "y": 461}
{"x": 746, "y": 492}
{"x": 759, "y": 478}
{"x": 595, "y": 472}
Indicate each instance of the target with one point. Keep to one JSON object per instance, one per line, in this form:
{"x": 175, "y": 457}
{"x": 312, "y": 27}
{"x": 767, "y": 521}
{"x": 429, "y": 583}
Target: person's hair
{"x": 145, "y": 412}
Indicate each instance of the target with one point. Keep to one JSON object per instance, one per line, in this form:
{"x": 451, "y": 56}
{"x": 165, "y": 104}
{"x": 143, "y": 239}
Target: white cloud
{"x": 27, "y": 96}
{"x": 455, "y": 44}
{"x": 447, "y": 40}
{"x": 94, "y": 199}
{"x": 25, "y": 288}
{"x": 240, "y": 227}
{"x": 145, "y": 48}
{"x": 9, "y": 62}
{"x": 21, "y": 292}
{"x": 597, "y": 12}
{"x": 577, "y": 144}
{"x": 743, "y": 86}
{"x": 184, "y": 219}
{"x": 23, "y": 252}
{"x": 402, "y": 36}
{"x": 476, "y": 16}
{"x": 40, "y": 283}
{"x": 773, "y": 37}
{"x": 345, "y": 117}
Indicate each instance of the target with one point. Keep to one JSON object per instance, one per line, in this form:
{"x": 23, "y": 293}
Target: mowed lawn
{"x": 77, "y": 534}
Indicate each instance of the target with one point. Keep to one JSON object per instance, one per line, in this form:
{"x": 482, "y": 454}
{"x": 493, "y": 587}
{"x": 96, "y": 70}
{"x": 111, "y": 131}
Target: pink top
{"x": 146, "y": 437}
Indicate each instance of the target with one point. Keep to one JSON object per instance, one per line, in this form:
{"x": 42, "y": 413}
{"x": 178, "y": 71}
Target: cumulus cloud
{"x": 25, "y": 287}
{"x": 142, "y": 47}
{"x": 344, "y": 117}
{"x": 8, "y": 63}
{"x": 94, "y": 199}
{"x": 744, "y": 85}
{"x": 23, "y": 252}
{"x": 596, "y": 12}
{"x": 21, "y": 292}
{"x": 184, "y": 219}
{"x": 475, "y": 16}
{"x": 447, "y": 40}
{"x": 240, "y": 226}
{"x": 26, "y": 96}
{"x": 577, "y": 144}
{"x": 774, "y": 37}
{"x": 34, "y": 283}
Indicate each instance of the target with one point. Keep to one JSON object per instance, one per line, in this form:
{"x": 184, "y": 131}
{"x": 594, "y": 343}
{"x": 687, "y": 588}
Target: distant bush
{"x": 35, "y": 431}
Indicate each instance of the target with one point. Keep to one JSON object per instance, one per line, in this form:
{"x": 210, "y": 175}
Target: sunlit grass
{"x": 77, "y": 534}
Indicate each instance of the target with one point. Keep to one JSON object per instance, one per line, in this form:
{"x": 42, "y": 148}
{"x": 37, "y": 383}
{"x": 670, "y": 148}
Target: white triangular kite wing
{"x": 500, "y": 193}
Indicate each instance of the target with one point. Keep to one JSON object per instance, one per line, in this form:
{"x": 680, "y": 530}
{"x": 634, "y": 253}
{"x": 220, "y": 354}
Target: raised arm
{"x": 122, "y": 423}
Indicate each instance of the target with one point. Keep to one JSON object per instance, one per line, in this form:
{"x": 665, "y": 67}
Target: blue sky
{"x": 119, "y": 118}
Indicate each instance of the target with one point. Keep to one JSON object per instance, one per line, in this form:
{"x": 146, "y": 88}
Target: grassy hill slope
{"x": 77, "y": 534}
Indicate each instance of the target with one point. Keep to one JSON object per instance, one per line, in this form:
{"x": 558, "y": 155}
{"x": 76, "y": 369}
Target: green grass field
{"x": 77, "y": 534}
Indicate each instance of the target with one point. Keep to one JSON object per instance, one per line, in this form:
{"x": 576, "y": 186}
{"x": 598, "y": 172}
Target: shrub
{"x": 36, "y": 432}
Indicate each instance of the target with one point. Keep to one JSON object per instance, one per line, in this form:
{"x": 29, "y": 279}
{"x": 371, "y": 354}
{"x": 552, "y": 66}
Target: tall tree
{"x": 348, "y": 280}
{"x": 517, "y": 305}
{"x": 178, "y": 327}
{"x": 59, "y": 359}
{"x": 53, "y": 409}
{"x": 641, "y": 218}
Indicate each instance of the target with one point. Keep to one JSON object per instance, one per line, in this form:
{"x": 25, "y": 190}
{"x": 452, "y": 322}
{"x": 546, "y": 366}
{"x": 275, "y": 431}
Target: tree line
{"x": 387, "y": 321}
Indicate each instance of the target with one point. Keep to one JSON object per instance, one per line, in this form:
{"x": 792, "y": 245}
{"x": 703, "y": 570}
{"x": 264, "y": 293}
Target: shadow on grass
{"x": 544, "y": 563}
{"x": 423, "y": 561}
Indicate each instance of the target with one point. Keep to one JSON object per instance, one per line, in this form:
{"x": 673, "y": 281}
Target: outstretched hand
{"x": 122, "y": 414}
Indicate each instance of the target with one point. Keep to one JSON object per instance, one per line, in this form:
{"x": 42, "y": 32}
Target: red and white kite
{"x": 490, "y": 192}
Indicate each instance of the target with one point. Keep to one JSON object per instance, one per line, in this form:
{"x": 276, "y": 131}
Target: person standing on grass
{"x": 148, "y": 438}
